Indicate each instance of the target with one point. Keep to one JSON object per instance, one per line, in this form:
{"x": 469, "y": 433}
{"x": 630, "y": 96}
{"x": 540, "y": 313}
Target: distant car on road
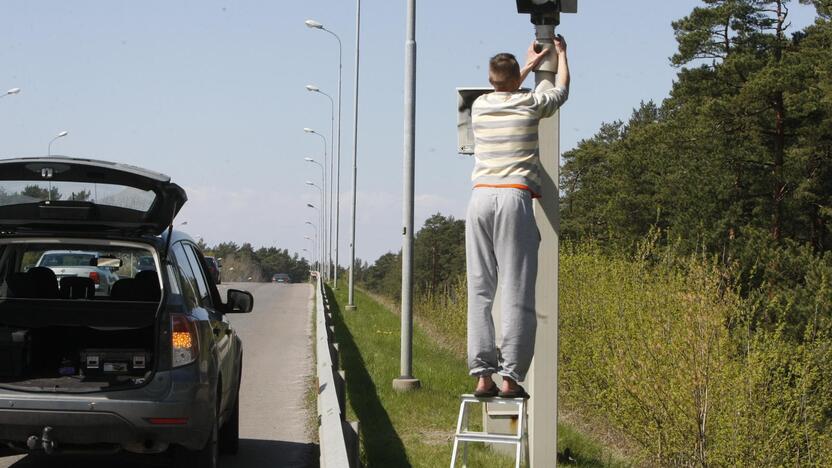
{"x": 145, "y": 263}
{"x": 281, "y": 278}
{"x": 83, "y": 264}
{"x": 214, "y": 269}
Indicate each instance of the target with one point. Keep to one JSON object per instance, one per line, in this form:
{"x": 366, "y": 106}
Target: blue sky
{"x": 212, "y": 93}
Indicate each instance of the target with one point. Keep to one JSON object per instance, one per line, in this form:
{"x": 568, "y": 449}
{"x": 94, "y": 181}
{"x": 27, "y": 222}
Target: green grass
{"x": 577, "y": 449}
{"x": 410, "y": 429}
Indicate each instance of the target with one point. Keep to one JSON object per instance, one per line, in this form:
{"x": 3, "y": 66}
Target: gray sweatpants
{"x": 501, "y": 239}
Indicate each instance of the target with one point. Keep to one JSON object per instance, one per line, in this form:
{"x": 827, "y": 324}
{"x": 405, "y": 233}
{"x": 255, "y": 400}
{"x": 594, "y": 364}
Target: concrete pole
{"x": 331, "y": 175}
{"x": 338, "y": 166}
{"x": 351, "y": 289}
{"x": 543, "y": 376}
{"x": 406, "y": 381}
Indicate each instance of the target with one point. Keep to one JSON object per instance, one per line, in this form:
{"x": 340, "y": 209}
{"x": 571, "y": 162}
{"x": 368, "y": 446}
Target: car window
{"x": 199, "y": 273}
{"x": 186, "y": 275}
{"x": 174, "y": 280}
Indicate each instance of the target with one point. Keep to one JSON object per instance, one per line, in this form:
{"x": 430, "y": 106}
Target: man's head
{"x": 504, "y": 72}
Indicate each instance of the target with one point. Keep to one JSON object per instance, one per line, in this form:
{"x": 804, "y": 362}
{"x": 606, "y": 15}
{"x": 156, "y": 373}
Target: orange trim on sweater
{"x": 514, "y": 186}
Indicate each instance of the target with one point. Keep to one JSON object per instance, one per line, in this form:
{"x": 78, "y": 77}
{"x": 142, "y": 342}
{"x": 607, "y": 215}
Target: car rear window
{"x": 78, "y": 270}
{"x": 15, "y": 192}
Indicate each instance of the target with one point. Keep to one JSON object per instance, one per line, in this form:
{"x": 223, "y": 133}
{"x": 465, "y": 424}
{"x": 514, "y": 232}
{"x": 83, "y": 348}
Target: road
{"x": 273, "y": 415}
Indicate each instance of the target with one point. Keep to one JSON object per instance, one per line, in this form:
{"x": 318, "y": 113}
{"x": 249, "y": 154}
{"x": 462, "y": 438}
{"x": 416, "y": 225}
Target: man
{"x": 501, "y": 236}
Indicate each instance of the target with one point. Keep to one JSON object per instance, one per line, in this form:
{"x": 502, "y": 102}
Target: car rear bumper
{"x": 143, "y": 420}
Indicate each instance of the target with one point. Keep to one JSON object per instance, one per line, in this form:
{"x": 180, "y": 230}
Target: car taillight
{"x": 95, "y": 277}
{"x": 183, "y": 339}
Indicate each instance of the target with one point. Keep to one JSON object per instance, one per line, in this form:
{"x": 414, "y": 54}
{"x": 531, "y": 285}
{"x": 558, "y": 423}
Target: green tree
{"x": 439, "y": 252}
{"x": 83, "y": 195}
{"x": 41, "y": 193}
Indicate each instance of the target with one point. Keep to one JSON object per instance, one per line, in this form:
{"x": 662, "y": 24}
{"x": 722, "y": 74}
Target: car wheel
{"x": 206, "y": 457}
{"x": 229, "y": 437}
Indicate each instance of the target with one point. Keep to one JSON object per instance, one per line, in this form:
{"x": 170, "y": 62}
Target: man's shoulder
{"x": 501, "y": 99}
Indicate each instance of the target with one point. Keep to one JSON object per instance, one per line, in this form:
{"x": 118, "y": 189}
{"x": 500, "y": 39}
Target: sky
{"x": 212, "y": 93}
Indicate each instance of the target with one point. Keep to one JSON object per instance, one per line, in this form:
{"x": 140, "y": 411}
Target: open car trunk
{"x": 55, "y": 345}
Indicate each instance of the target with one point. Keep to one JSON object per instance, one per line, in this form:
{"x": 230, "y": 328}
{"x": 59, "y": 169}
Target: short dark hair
{"x": 503, "y": 70}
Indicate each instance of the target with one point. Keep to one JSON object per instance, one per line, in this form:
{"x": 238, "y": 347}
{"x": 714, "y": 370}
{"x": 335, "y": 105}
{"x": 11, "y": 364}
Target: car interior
{"x": 57, "y": 334}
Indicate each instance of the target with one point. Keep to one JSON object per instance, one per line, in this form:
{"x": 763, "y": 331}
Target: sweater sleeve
{"x": 549, "y": 100}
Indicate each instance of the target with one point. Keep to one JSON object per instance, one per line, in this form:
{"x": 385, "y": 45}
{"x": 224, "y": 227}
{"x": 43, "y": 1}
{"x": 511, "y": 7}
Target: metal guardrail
{"x": 338, "y": 437}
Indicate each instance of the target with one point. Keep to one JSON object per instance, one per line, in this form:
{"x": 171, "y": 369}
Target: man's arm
{"x": 563, "y": 79}
{"x": 549, "y": 100}
{"x": 533, "y": 59}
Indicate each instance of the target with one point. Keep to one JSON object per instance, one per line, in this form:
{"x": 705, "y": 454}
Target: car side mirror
{"x": 239, "y": 302}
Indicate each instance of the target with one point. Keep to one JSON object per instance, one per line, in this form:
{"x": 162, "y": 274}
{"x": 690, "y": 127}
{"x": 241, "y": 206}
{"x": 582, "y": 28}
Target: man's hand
{"x": 560, "y": 45}
{"x": 533, "y": 58}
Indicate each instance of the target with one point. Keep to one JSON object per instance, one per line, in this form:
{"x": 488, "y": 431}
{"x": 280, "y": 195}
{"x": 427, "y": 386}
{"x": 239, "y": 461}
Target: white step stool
{"x": 520, "y": 440}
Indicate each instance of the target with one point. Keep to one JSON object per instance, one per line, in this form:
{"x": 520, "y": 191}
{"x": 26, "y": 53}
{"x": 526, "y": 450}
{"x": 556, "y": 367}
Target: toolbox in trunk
{"x": 97, "y": 362}
{"x": 15, "y": 351}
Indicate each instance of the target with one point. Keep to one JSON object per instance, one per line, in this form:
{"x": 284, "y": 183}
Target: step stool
{"x": 520, "y": 440}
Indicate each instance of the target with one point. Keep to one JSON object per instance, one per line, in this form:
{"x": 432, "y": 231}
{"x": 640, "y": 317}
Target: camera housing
{"x": 546, "y": 12}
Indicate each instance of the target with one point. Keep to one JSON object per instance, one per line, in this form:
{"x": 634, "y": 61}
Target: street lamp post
{"x": 323, "y": 173}
{"x": 312, "y": 184}
{"x": 10, "y": 92}
{"x": 60, "y": 135}
{"x": 316, "y": 25}
{"x": 405, "y": 381}
{"x": 327, "y": 254}
{"x": 321, "y": 252}
{"x": 351, "y": 289}
{"x": 315, "y": 89}
{"x": 314, "y": 246}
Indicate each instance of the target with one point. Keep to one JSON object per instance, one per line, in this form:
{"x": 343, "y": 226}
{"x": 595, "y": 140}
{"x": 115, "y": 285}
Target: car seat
{"x": 43, "y": 283}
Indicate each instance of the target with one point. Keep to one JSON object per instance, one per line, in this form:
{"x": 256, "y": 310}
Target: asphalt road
{"x": 278, "y": 361}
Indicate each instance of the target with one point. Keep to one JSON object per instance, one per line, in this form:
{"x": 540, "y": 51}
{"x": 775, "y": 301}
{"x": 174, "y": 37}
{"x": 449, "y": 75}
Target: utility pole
{"x": 351, "y": 288}
{"x": 543, "y": 375}
{"x": 405, "y": 381}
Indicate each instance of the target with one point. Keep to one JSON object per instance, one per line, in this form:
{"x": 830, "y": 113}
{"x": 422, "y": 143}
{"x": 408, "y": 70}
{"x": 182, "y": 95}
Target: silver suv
{"x": 154, "y": 364}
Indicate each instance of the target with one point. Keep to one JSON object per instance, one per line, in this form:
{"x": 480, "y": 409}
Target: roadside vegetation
{"x": 696, "y": 256}
{"x": 412, "y": 429}
{"x": 244, "y": 263}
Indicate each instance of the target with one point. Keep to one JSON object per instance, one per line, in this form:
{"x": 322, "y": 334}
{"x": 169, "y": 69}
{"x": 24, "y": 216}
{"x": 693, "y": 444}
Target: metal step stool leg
{"x": 521, "y": 432}
{"x": 460, "y": 418}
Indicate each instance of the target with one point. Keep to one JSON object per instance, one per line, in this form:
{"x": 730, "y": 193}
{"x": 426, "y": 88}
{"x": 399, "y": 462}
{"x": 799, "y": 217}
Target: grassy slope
{"x": 414, "y": 428}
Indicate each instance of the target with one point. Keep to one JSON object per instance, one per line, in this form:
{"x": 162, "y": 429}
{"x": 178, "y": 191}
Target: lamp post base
{"x": 350, "y": 308}
{"x": 406, "y": 384}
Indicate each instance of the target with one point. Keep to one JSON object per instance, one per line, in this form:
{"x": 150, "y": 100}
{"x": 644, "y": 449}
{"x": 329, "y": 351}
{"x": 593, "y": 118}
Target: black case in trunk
{"x": 103, "y": 362}
{"x": 15, "y": 352}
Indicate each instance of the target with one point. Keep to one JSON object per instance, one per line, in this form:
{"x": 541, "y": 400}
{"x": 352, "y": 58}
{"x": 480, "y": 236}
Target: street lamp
{"x": 327, "y": 222}
{"x": 406, "y": 381}
{"x": 315, "y": 89}
{"x": 316, "y": 25}
{"x": 351, "y": 289}
{"x": 315, "y": 242}
{"x": 60, "y": 135}
{"x": 10, "y": 92}
{"x": 320, "y": 190}
{"x": 323, "y": 175}
{"x": 322, "y": 238}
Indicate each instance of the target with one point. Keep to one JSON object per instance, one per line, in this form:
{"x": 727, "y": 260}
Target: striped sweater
{"x": 505, "y": 136}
